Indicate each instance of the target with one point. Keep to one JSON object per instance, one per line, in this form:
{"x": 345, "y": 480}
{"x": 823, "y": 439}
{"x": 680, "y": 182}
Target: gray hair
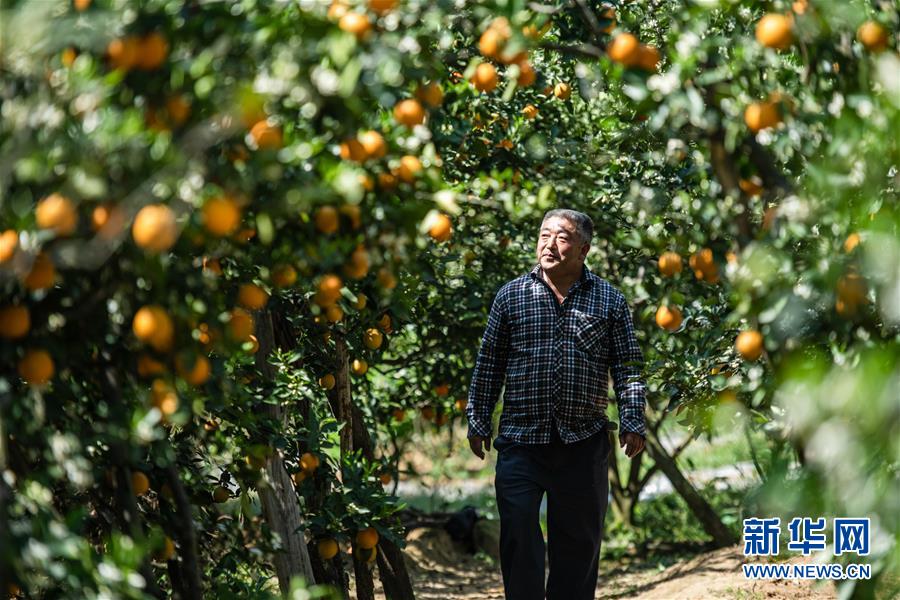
{"x": 583, "y": 223}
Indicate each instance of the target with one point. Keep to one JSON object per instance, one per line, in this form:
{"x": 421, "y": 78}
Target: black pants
{"x": 575, "y": 478}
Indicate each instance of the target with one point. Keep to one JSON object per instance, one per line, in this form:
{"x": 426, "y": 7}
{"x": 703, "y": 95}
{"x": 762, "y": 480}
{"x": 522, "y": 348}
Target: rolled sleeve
{"x": 490, "y": 368}
{"x": 626, "y": 367}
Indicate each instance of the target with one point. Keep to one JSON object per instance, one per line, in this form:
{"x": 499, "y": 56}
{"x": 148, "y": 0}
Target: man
{"x": 551, "y": 337}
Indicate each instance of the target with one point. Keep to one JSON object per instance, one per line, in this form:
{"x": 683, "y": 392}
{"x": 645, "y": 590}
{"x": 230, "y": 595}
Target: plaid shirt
{"x": 554, "y": 359}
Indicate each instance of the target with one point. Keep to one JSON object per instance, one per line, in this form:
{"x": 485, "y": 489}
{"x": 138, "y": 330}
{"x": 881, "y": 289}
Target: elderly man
{"x": 551, "y": 337}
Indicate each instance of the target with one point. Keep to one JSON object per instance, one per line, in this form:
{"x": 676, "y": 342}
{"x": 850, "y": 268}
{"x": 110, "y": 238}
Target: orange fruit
{"x": 800, "y": 6}
{"x": 610, "y": 15}
{"x": 309, "y": 462}
{"x": 221, "y": 216}
{"x": 328, "y": 548}
{"x": 9, "y": 241}
{"x": 382, "y": 6}
{"x": 326, "y": 219}
{"x": 152, "y": 51}
{"x": 442, "y": 389}
{"x": 327, "y": 381}
{"x": 442, "y": 228}
{"x": 873, "y": 36}
{"x": 431, "y": 94}
{"x": 530, "y": 111}
{"x": 761, "y": 115}
{"x": 252, "y": 297}
{"x": 140, "y": 484}
{"x": 240, "y": 325}
{"x": 372, "y": 338}
{"x": 851, "y": 292}
{"x": 195, "y": 374}
{"x": 387, "y": 181}
{"x": 358, "y": 265}
{"x": 56, "y": 212}
{"x": 163, "y": 397}
{"x": 670, "y": 263}
{"x": 334, "y": 313}
{"x": 147, "y": 366}
{"x": 648, "y": 59}
{"x": 774, "y": 31}
{"x": 359, "y": 366}
{"x": 352, "y": 212}
{"x": 68, "y": 56}
{"x": 385, "y": 478}
{"x": 154, "y": 228}
{"x": 428, "y": 413}
{"x": 851, "y": 242}
{"x": 668, "y": 317}
{"x": 485, "y": 77}
{"x": 123, "y": 52}
{"x": 179, "y": 109}
{"x": 373, "y": 143}
{"x": 36, "y": 367}
{"x": 562, "y": 91}
{"x": 298, "y": 477}
{"x": 527, "y": 75}
{"x": 352, "y": 149}
{"x": 702, "y": 263}
{"x": 81, "y": 5}
{"x": 386, "y": 279}
{"x": 409, "y": 112}
{"x": 356, "y": 23}
{"x": 410, "y": 166}
{"x": 337, "y": 9}
{"x": 462, "y": 404}
{"x": 384, "y": 323}
{"x": 491, "y": 43}
{"x": 15, "y": 321}
{"x": 329, "y": 290}
{"x": 220, "y": 494}
{"x": 361, "y": 300}
{"x": 42, "y": 274}
{"x": 751, "y": 187}
{"x": 284, "y": 276}
{"x": 399, "y": 415}
{"x": 168, "y": 550}
{"x": 153, "y": 326}
{"x": 266, "y": 135}
{"x": 749, "y": 344}
{"x": 625, "y": 49}
{"x": 367, "y": 538}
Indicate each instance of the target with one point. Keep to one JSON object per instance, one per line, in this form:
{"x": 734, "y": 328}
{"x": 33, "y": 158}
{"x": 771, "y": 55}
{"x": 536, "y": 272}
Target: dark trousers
{"x": 575, "y": 479}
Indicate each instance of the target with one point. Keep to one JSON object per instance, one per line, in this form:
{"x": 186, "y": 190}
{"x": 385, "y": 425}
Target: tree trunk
{"x": 187, "y": 538}
{"x": 276, "y": 494}
{"x": 708, "y": 518}
{"x": 365, "y": 586}
{"x": 344, "y": 397}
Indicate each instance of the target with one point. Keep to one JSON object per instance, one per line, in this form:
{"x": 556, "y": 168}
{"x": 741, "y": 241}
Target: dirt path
{"x": 441, "y": 572}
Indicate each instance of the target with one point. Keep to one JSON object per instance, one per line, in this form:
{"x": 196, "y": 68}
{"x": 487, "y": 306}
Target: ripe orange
{"x": 491, "y": 43}
{"x": 751, "y": 187}
{"x": 387, "y": 181}
{"x": 140, "y": 484}
{"x": 385, "y": 478}
{"x": 123, "y": 52}
{"x": 352, "y": 149}
{"x": 337, "y": 9}
{"x": 42, "y": 275}
{"x": 562, "y": 91}
{"x": 56, "y": 212}
{"x": 309, "y": 462}
{"x": 326, "y": 219}
{"x": 240, "y": 325}
{"x": 327, "y": 381}
{"x": 409, "y": 112}
{"x": 648, "y": 59}
{"x": 399, "y": 415}
{"x": 68, "y": 56}
{"x": 9, "y": 241}
{"x": 81, "y": 5}
{"x": 254, "y": 344}
{"x": 15, "y": 321}
{"x": 252, "y": 297}
{"x": 221, "y": 216}
{"x": 386, "y": 279}
{"x": 168, "y": 550}
{"x": 195, "y": 374}
{"x": 462, "y": 404}
{"x": 382, "y": 6}
{"x": 298, "y": 477}
{"x": 284, "y": 276}
{"x": 179, "y": 109}
{"x": 749, "y": 344}
{"x": 328, "y": 548}
{"x": 356, "y": 23}
{"x": 154, "y": 228}
{"x": 361, "y": 300}
{"x": 873, "y": 36}
{"x": 610, "y": 15}
{"x": 431, "y": 94}
{"x": 410, "y": 166}
{"x": 384, "y": 323}
{"x": 329, "y": 290}
{"x": 372, "y": 338}
{"x": 851, "y": 242}
{"x": 358, "y": 265}
{"x": 152, "y": 51}
{"x": 668, "y": 317}
{"x": 774, "y": 31}
{"x": 442, "y": 229}
{"x": 851, "y": 292}
{"x": 442, "y": 389}
{"x": 702, "y": 263}
{"x": 221, "y": 494}
{"x": 266, "y": 135}
{"x": 530, "y": 111}
{"x": 761, "y": 115}
{"x": 373, "y": 143}
{"x": 367, "y": 538}
{"x": 36, "y": 367}
{"x": 800, "y": 6}
{"x": 485, "y": 77}
{"x": 625, "y": 49}
{"x": 153, "y": 326}
{"x": 147, "y": 366}
{"x": 334, "y": 313}
{"x": 527, "y": 75}
{"x": 359, "y": 366}
{"x": 164, "y": 398}
{"x": 428, "y": 413}
{"x": 670, "y": 263}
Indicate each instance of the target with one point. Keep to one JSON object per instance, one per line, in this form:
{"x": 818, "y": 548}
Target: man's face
{"x": 559, "y": 247}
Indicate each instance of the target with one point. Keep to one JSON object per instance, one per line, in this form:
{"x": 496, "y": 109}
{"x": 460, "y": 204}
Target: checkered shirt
{"x": 554, "y": 359}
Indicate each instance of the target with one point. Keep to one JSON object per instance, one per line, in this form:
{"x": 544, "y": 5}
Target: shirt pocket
{"x": 590, "y": 332}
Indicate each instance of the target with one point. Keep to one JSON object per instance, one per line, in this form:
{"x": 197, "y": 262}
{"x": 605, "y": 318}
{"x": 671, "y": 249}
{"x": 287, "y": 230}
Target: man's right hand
{"x": 476, "y": 442}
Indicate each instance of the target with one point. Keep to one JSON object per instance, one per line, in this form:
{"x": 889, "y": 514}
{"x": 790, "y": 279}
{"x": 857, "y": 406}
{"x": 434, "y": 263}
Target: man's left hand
{"x": 633, "y": 443}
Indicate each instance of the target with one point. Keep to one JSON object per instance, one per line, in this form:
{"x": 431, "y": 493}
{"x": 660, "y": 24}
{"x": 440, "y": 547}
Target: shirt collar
{"x": 584, "y": 281}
